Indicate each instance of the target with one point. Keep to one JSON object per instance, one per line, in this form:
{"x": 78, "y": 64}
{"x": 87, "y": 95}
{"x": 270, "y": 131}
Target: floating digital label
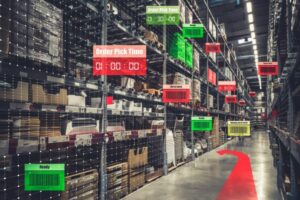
{"x": 176, "y": 93}
{"x": 193, "y": 30}
{"x": 118, "y": 60}
{"x": 226, "y": 86}
{"x": 242, "y": 102}
{"x": 268, "y": 68}
{"x": 202, "y": 123}
{"x": 238, "y": 128}
{"x": 212, "y": 47}
{"x": 162, "y": 15}
{"x": 44, "y": 177}
{"x": 211, "y": 77}
{"x": 252, "y": 94}
{"x": 230, "y": 99}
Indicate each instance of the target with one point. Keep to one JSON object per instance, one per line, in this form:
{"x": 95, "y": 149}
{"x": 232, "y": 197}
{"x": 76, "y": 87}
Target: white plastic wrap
{"x": 170, "y": 146}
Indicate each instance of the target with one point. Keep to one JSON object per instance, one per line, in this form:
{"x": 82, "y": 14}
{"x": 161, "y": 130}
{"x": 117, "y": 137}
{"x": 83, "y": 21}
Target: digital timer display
{"x": 116, "y": 60}
{"x": 162, "y": 15}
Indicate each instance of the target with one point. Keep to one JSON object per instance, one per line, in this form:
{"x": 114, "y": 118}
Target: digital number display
{"x": 162, "y": 15}
{"x": 117, "y": 60}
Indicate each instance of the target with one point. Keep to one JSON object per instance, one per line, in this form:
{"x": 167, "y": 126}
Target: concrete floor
{"x": 204, "y": 179}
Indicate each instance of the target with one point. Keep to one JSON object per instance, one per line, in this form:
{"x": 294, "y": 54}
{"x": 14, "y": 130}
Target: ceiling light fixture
{"x": 251, "y": 27}
{"x": 250, "y": 18}
{"x": 249, "y": 7}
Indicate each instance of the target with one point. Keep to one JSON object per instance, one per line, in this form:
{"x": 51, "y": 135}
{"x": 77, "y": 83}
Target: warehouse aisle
{"x": 204, "y": 180}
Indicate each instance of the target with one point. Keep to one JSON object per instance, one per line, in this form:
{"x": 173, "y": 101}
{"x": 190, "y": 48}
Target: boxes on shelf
{"x": 210, "y": 101}
{"x": 23, "y": 146}
{"x": 37, "y": 31}
{"x": 50, "y": 126}
{"x": 177, "y": 79}
{"x": 189, "y": 55}
{"x": 223, "y": 30}
{"x": 226, "y": 108}
{"x": 82, "y": 126}
{"x": 215, "y": 132}
{"x": 196, "y": 60}
{"x": 117, "y": 181}
{"x": 26, "y": 128}
{"x": 188, "y": 16}
{"x": 40, "y": 95}
{"x": 18, "y": 93}
{"x": 76, "y": 100}
{"x": 4, "y": 147}
{"x": 83, "y": 185}
{"x": 197, "y": 91}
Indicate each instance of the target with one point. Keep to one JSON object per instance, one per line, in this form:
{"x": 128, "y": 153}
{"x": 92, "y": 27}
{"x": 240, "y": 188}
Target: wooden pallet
{"x": 171, "y": 167}
{"x": 155, "y": 175}
{"x": 80, "y": 184}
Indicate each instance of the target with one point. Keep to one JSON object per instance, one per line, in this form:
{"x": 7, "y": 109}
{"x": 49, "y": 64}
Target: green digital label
{"x": 193, "y": 30}
{"x": 201, "y": 123}
{"x": 44, "y": 177}
{"x": 162, "y": 15}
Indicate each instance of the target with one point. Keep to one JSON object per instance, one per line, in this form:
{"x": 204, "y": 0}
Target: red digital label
{"x": 252, "y": 94}
{"x": 242, "y": 102}
{"x": 116, "y": 60}
{"x": 212, "y": 47}
{"x": 230, "y": 99}
{"x": 212, "y": 77}
{"x": 227, "y": 86}
{"x": 109, "y": 100}
{"x": 268, "y": 68}
{"x": 176, "y": 94}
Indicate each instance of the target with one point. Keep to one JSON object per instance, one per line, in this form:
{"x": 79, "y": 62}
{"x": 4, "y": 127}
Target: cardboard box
{"x": 137, "y": 157}
{"x": 74, "y": 100}
{"x": 39, "y": 95}
{"x": 20, "y": 93}
{"x": 136, "y": 181}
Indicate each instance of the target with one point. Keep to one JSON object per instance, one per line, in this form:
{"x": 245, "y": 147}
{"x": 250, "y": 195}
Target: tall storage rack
{"x": 50, "y": 95}
{"x": 283, "y": 95}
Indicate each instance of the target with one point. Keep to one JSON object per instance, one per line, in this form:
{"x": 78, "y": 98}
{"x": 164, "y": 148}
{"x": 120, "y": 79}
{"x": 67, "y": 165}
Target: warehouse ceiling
{"x": 233, "y": 14}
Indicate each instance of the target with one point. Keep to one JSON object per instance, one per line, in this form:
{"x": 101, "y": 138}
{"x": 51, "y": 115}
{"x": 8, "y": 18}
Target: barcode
{"x": 44, "y": 179}
{"x": 268, "y": 69}
{"x": 201, "y": 124}
{"x": 239, "y": 130}
{"x": 176, "y": 95}
{"x": 193, "y": 31}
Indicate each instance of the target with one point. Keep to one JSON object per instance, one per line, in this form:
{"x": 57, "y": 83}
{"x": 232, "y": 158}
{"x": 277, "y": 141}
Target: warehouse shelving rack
{"x": 282, "y": 95}
{"x": 105, "y": 149}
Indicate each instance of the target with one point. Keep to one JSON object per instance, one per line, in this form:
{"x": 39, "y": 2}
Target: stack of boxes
{"x": 83, "y": 185}
{"x": 137, "y": 161}
{"x": 215, "y": 133}
{"x": 117, "y": 181}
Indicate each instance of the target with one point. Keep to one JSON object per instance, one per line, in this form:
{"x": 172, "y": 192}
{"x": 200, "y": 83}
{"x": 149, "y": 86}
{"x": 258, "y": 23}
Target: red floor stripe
{"x": 240, "y": 184}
